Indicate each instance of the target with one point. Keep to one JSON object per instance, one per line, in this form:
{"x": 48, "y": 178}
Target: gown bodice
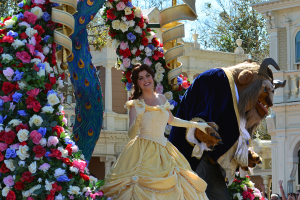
{"x": 154, "y": 121}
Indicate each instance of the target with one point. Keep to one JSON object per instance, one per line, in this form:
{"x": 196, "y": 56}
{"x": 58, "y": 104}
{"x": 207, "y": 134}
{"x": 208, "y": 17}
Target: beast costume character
{"x": 236, "y": 99}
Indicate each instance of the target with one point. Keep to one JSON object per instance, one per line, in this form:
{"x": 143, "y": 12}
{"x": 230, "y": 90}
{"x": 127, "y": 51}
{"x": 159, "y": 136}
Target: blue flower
{"x": 131, "y": 37}
{"x": 68, "y": 141}
{"x": 10, "y": 153}
{"x": 2, "y": 119}
{"x": 42, "y": 131}
{"x": 129, "y": 4}
{"x": 12, "y": 33}
{"x": 46, "y": 16}
{"x": 45, "y": 39}
{"x": 55, "y": 4}
{"x": 63, "y": 178}
{"x": 172, "y": 102}
{"x": 20, "y": 16}
{"x": 22, "y": 113}
{"x": 1, "y": 104}
{"x": 161, "y": 49}
{"x": 41, "y": 66}
{"x": 51, "y": 92}
{"x": 47, "y": 155}
{"x": 180, "y": 97}
{"x": 150, "y": 46}
{"x": 19, "y": 75}
{"x": 16, "y": 97}
{"x": 179, "y": 80}
{"x": 128, "y": 86}
{"x": 21, "y": 4}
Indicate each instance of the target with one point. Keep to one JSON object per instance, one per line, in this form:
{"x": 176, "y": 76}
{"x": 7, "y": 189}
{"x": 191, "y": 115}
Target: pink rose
{"x": 33, "y": 92}
{"x": 3, "y": 146}
{"x": 124, "y": 45}
{"x": 52, "y": 140}
{"x": 24, "y": 56}
{"x": 39, "y": 2}
{"x": 8, "y": 73}
{"x": 75, "y": 149}
{"x": 41, "y": 55}
{"x": 80, "y": 165}
{"x": 31, "y": 48}
{"x": 36, "y": 137}
{"x": 14, "y": 146}
{"x": 126, "y": 62}
{"x": 121, "y": 6}
{"x": 32, "y": 41}
{"x": 159, "y": 88}
{"x": 6, "y": 98}
{"x": 9, "y": 181}
{"x": 30, "y": 17}
{"x": 44, "y": 167}
{"x": 30, "y": 198}
{"x": 147, "y": 61}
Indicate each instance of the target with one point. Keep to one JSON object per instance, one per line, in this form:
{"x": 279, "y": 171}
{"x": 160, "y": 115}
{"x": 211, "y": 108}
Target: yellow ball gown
{"x": 150, "y": 167}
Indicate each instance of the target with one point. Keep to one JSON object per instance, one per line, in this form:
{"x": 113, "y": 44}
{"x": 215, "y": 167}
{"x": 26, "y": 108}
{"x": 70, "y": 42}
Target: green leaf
{"x": 100, "y": 183}
{"x": 53, "y": 123}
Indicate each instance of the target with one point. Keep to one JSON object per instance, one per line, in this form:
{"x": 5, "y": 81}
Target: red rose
{"x": 185, "y": 85}
{"x": 85, "y": 177}
{"x": 111, "y": 1}
{"x": 29, "y": 100}
{"x": 1, "y": 157}
{"x": 26, "y": 177}
{"x": 1, "y": 49}
{"x": 27, "y": 7}
{"x": 62, "y": 76}
{"x": 159, "y": 54}
{"x": 38, "y": 38}
{"x": 7, "y": 87}
{"x": 58, "y": 130}
{"x": 67, "y": 161}
{"x": 130, "y": 17}
{"x": 17, "y": 86}
{"x": 155, "y": 42}
{"x": 50, "y": 197}
{"x": 11, "y": 195}
{"x": 47, "y": 87}
{"x": 22, "y": 126}
{"x": 126, "y": 53}
{"x": 179, "y": 88}
{"x": 2, "y": 133}
{"x": 9, "y": 137}
{"x": 141, "y": 23}
{"x": 110, "y": 14}
{"x": 35, "y": 105}
{"x": 128, "y": 76}
{"x": 23, "y": 143}
{"x": 7, "y": 18}
{"x": 143, "y": 34}
{"x": 155, "y": 57}
{"x": 3, "y": 168}
{"x": 111, "y": 33}
{"x": 125, "y": 1}
{"x": 23, "y": 36}
{"x": 52, "y": 80}
{"x": 69, "y": 149}
{"x": 55, "y": 153}
{"x": 39, "y": 48}
{"x": 138, "y": 52}
{"x": 39, "y": 151}
{"x": 8, "y": 39}
{"x": 144, "y": 41}
{"x": 70, "y": 176}
{"x": 3, "y": 31}
{"x": 19, "y": 186}
{"x": 56, "y": 187}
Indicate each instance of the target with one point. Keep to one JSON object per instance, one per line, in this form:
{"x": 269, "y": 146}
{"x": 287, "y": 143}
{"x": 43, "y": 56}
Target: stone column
{"x": 266, "y": 184}
{"x": 281, "y": 162}
{"x": 69, "y": 97}
{"x": 108, "y": 160}
{"x": 191, "y": 76}
{"x": 108, "y": 89}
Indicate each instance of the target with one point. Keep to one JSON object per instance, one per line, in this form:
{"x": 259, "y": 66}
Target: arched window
{"x": 297, "y": 44}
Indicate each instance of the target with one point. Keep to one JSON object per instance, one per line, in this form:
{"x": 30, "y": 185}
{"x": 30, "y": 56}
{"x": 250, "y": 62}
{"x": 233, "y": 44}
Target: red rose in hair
{"x": 3, "y": 168}
{"x": 9, "y": 137}
{"x": 58, "y": 130}
{"x": 39, "y": 151}
{"x": 128, "y": 76}
{"x": 26, "y": 177}
{"x": 19, "y": 186}
{"x": 1, "y": 157}
{"x": 55, "y": 153}
{"x": 138, "y": 52}
{"x": 35, "y": 105}
{"x": 69, "y": 149}
{"x": 144, "y": 41}
{"x": 7, "y": 87}
{"x": 130, "y": 17}
{"x": 110, "y": 14}
{"x": 11, "y": 195}
{"x": 8, "y": 39}
{"x": 85, "y": 177}
{"x": 23, "y": 36}
{"x": 22, "y": 126}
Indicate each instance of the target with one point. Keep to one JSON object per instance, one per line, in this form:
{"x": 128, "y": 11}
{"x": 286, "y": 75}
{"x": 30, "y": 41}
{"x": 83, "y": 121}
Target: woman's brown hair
{"x": 135, "y": 76}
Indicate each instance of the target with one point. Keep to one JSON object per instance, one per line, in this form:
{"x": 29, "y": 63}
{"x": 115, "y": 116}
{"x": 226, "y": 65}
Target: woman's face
{"x": 145, "y": 80}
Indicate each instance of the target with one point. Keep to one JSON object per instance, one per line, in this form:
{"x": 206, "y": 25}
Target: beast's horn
{"x": 279, "y": 83}
{"x": 265, "y": 71}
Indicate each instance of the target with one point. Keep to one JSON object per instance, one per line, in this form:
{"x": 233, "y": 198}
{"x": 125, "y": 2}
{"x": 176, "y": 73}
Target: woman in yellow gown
{"x": 150, "y": 167}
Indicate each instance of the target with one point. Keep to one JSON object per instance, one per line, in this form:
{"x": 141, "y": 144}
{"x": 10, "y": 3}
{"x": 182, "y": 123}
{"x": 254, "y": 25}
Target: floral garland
{"x": 38, "y": 159}
{"x": 135, "y": 43}
{"x": 243, "y": 188}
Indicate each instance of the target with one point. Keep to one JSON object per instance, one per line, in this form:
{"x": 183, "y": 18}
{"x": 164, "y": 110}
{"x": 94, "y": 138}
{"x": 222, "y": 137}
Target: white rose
{"x": 26, "y": 193}
{"x": 159, "y": 68}
{"x": 60, "y": 197}
{"x": 5, "y": 191}
{"x": 63, "y": 152}
{"x": 74, "y": 190}
{"x": 135, "y": 61}
{"x": 41, "y": 72}
{"x": 9, "y": 23}
{"x": 148, "y": 51}
{"x": 35, "y": 61}
{"x": 169, "y": 95}
{"x": 124, "y": 19}
{"x": 37, "y": 11}
{"x": 30, "y": 32}
{"x": 124, "y": 27}
{"x": 108, "y": 4}
{"x": 21, "y": 163}
{"x": 35, "y": 188}
{"x": 93, "y": 179}
{"x": 138, "y": 29}
{"x": 238, "y": 196}
{"x": 10, "y": 164}
{"x": 131, "y": 23}
{"x": 48, "y": 185}
{"x": 59, "y": 172}
{"x": 14, "y": 122}
{"x": 85, "y": 189}
{"x": 141, "y": 47}
{"x": 24, "y": 24}
{"x": 115, "y": 44}
{"x": 23, "y": 135}
{"x": 52, "y": 99}
{"x": 47, "y": 109}
{"x": 60, "y": 108}
{"x": 251, "y": 184}
{"x": 36, "y": 120}
{"x": 46, "y": 50}
{"x": 74, "y": 169}
{"x": 158, "y": 77}
{"x": 82, "y": 157}
{"x": 17, "y": 43}
{"x": 6, "y": 57}
{"x": 48, "y": 68}
{"x": 138, "y": 12}
{"x": 127, "y": 10}
{"x": 32, "y": 167}
{"x": 43, "y": 142}
{"x": 22, "y": 85}
{"x": 145, "y": 26}
{"x": 116, "y": 24}
{"x": 60, "y": 83}
{"x": 23, "y": 152}
{"x": 40, "y": 180}
{"x": 7, "y": 129}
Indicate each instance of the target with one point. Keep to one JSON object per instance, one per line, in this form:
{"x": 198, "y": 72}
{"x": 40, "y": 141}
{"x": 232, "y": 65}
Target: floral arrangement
{"x": 135, "y": 43}
{"x": 38, "y": 159}
{"x": 243, "y": 188}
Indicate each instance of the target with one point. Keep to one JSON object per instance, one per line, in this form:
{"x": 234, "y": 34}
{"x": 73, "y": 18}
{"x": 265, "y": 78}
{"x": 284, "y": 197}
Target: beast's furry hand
{"x": 210, "y": 136}
{"x": 253, "y": 160}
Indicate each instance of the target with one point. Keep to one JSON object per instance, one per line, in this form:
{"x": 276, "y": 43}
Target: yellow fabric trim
{"x": 165, "y": 106}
